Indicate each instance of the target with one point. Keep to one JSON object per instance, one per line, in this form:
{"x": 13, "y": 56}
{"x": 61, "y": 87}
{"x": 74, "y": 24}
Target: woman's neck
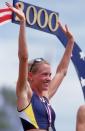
{"x": 41, "y": 93}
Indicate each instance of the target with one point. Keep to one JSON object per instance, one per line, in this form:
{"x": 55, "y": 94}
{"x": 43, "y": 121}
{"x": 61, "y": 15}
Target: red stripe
{"x": 4, "y": 10}
{"x": 4, "y": 18}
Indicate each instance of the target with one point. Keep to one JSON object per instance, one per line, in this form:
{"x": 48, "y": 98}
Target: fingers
{"x": 17, "y": 6}
{"x": 7, "y": 4}
{"x": 16, "y": 10}
{"x": 66, "y": 27}
{"x": 63, "y": 28}
{"x": 59, "y": 23}
{"x": 68, "y": 33}
{"x": 11, "y": 7}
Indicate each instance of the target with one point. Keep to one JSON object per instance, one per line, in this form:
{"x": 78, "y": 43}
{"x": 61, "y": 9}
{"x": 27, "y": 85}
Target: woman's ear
{"x": 29, "y": 76}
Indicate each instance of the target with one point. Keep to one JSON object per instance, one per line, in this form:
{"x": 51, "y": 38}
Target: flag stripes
{"x": 5, "y": 15}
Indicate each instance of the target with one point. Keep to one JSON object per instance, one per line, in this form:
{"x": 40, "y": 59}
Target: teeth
{"x": 46, "y": 82}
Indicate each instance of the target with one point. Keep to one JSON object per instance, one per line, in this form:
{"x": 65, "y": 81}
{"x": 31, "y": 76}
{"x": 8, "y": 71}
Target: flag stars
{"x": 82, "y": 82}
{"x": 82, "y": 55}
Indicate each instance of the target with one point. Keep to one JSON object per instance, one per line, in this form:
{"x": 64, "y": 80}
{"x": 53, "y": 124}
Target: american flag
{"x": 5, "y": 15}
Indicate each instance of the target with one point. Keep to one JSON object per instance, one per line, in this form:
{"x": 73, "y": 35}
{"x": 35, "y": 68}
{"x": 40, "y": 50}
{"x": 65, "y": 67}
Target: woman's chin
{"x": 45, "y": 88}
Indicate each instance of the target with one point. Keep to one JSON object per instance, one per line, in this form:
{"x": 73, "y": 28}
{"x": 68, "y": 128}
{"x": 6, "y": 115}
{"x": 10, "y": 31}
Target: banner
{"x": 38, "y": 18}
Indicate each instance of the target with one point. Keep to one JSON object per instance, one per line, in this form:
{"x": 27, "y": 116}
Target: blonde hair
{"x": 34, "y": 64}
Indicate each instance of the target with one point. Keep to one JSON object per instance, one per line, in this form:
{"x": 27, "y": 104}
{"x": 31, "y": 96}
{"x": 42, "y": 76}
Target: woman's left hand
{"x": 66, "y": 31}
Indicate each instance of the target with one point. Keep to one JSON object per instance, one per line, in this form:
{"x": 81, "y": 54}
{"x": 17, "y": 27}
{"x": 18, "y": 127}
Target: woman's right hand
{"x": 66, "y": 31}
{"x": 17, "y": 10}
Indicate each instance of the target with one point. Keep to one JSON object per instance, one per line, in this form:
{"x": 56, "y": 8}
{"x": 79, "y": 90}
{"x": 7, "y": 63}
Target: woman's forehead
{"x": 38, "y": 65}
{"x": 44, "y": 66}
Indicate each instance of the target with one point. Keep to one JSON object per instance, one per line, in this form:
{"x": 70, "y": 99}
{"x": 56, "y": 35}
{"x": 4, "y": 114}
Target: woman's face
{"x": 42, "y": 77}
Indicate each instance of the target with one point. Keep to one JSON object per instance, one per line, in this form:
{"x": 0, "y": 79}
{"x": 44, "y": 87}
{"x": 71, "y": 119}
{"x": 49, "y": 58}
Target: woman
{"x": 34, "y": 86}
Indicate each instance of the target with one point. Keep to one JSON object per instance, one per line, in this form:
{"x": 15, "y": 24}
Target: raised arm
{"x": 63, "y": 65}
{"x": 80, "y": 119}
{"x": 22, "y": 50}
